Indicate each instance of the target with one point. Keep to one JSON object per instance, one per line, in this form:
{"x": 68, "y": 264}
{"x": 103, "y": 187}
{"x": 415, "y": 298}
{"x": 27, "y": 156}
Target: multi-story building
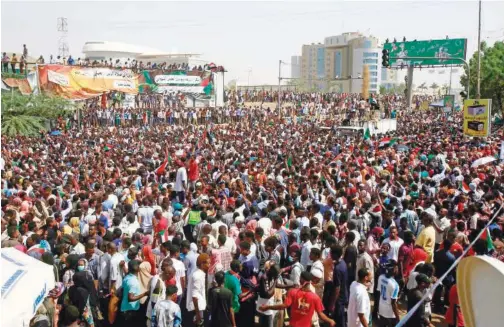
{"x": 389, "y": 78}
{"x": 295, "y": 67}
{"x": 338, "y": 63}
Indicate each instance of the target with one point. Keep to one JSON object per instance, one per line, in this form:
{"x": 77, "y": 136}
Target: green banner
{"x": 440, "y": 50}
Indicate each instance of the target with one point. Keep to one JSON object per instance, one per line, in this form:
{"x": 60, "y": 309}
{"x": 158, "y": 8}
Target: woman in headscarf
{"x": 145, "y": 275}
{"x": 83, "y": 267}
{"x": 148, "y": 256}
{"x": 79, "y": 296}
{"x": 75, "y": 225}
{"x": 71, "y": 266}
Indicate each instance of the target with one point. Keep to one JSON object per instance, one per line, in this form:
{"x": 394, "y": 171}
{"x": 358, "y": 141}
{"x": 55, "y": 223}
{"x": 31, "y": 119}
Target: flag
{"x": 367, "y": 134}
{"x": 289, "y": 161}
{"x": 162, "y": 168}
{"x": 465, "y": 187}
{"x": 387, "y": 141}
{"x": 486, "y": 236}
{"x": 208, "y": 89}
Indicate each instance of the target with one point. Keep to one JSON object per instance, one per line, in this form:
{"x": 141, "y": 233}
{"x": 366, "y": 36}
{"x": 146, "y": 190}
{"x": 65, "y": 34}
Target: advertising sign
{"x": 439, "y": 50}
{"x": 448, "y": 103}
{"x": 477, "y": 117}
{"x": 177, "y": 80}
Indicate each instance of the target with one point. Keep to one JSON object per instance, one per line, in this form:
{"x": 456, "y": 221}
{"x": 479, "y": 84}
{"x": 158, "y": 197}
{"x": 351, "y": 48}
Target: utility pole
{"x": 478, "y": 82}
{"x": 279, "y": 81}
{"x": 409, "y": 86}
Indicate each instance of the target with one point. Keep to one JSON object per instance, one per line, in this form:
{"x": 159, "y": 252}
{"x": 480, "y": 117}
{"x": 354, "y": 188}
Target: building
{"x": 104, "y": 50}
{"x": 295, "y": 67}
{"x": 337, "y": 64}
{"x": 389, "y": 78}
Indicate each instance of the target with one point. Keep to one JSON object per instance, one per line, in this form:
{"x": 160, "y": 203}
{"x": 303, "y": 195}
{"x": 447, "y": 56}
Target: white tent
{"x": 25, "y": 283}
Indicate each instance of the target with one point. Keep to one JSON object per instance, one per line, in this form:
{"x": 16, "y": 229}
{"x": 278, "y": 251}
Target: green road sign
{"x": 438, "y": 49}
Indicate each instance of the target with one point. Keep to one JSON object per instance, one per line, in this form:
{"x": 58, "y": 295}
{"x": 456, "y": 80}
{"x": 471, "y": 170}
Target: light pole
{"x": 478, "y": 79}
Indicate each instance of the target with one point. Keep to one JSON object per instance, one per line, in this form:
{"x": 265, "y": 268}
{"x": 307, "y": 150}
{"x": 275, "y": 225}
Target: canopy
{"x": 26, "y": 281}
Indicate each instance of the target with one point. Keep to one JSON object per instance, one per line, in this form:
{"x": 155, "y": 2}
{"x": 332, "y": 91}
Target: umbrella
{"x": 482, "y": 161}
{"x": 55, "y": 133}
{"x": 25, "y": 283}
{"x": 402, "y": 148}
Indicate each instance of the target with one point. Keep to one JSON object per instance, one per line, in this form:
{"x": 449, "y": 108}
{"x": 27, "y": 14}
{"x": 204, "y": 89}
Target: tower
{"x": 63, "y": 50}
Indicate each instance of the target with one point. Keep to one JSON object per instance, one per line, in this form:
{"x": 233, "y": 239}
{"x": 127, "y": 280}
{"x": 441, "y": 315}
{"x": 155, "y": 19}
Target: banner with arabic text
{"x": 73, "y": 82}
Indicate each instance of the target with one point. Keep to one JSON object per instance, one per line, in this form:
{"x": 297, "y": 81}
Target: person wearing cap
{"x": 388, "y": 294}
{"x": 303, "y": 303}
{"x": 419, "y": 318}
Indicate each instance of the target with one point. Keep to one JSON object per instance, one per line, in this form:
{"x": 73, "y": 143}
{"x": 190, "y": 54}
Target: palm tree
{"x": 434, "y": 87}
{"x": 28, "y": 115}
{"x": 423, "y": 86}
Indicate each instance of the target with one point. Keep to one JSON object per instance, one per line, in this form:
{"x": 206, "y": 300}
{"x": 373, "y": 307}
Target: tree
{"x": 28, "y": 115}
{"x": 299, "y": 84}
{"x": 492, "y": 75}
{"x": 423, "y": 87}
{"x": 434, "y": 87}
{"x": 396, "y": 89}
{"x": 231, "y": 85}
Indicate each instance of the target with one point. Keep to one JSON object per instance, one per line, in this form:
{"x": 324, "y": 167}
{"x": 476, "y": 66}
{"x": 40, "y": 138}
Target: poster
{"x": 448, "y": 103}
{"x": 77, "y": 83}
{"x": 424, "y": 105}
{"x": 477, "y": 117}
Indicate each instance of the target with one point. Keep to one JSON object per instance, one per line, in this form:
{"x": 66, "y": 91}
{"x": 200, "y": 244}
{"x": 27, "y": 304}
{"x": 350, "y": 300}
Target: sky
{"x": 247, "y": 38}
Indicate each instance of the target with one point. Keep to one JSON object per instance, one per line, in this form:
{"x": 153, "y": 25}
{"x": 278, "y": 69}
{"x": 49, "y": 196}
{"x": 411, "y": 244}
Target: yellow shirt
{"x": 426, "y": 239}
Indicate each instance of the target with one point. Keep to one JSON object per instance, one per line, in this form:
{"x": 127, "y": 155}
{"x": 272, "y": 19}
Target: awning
{"x": 26, "y": 281}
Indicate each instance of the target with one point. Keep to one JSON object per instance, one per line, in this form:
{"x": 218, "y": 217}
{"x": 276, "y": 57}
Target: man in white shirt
{"x": 180, "y": 271}
{"x": 181, "y": 181}
{"x": 116, "y": 271}
{"x": 441, "y": 224}
{"x": 395, "y": 243}
{"x": 305, "y": 250}
{"x": 196, "y": 289}
{"x": 359, "y": 305}
{"x": 265, "y": 224}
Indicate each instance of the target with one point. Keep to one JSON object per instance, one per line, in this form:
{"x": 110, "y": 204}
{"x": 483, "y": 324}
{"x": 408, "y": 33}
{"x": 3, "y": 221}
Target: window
{"x": 337, "y": 64}
{"x": 371, "y": 61}
{"x": 373, "y": 67}
{"x": 372, "y": 86}
{"x": 370, "y": 54}
{"x": 373, "y": 73}
{"x": 367, "y": 44}
{"x": 374, "y": 80}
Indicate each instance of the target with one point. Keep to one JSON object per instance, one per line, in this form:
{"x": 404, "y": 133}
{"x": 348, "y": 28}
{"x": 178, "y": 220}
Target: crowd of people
{"x": 251, "y": 222}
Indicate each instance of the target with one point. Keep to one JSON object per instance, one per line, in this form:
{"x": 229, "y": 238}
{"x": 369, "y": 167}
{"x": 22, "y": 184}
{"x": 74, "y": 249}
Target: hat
{"x": 178, "y": 206}
{"x": 317, "y": 273}
{"x": 423, "y": 278}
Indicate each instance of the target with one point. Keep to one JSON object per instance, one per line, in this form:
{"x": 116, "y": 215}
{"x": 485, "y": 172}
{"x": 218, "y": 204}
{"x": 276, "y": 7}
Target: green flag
{"x": 289, "y": 161}
{"x": 367, "y": 134}
{"x": 208, "y": 89}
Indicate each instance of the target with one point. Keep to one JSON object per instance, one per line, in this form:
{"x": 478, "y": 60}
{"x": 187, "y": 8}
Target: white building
{"x": 296, "y": 66}
{"x": 104, "y": 50}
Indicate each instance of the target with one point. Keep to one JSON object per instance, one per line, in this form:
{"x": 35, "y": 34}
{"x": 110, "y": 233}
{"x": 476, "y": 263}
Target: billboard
{"x": 448, "y": 102}
{"x": 439, "y": 50}
{"x": 477, "y": 117}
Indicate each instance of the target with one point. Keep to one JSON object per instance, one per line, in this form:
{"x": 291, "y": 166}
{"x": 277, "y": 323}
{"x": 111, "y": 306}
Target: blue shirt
{"x": 190, "y": 262}
{"x": 130, "y": 284}
{"x": 340, "y": 279}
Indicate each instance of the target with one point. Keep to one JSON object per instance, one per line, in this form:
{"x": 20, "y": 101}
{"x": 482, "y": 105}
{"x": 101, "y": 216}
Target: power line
{"x": 453, "y": 266}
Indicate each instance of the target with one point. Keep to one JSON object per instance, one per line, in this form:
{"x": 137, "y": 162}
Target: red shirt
{"x": 303, "y": 304}
{"x": 161, "y": 225}
{"x": 454, "y": 300}
{"x": 193, "y": 172}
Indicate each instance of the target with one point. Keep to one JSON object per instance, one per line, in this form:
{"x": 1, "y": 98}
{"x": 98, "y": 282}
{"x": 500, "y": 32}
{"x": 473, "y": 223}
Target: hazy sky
{"x": 244, "y": 35}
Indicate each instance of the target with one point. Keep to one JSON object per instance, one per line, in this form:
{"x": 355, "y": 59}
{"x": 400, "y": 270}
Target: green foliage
{"x": 27, "y": 115}
{"x": 396, "y": 89}
{"x": 492, "y": 75}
